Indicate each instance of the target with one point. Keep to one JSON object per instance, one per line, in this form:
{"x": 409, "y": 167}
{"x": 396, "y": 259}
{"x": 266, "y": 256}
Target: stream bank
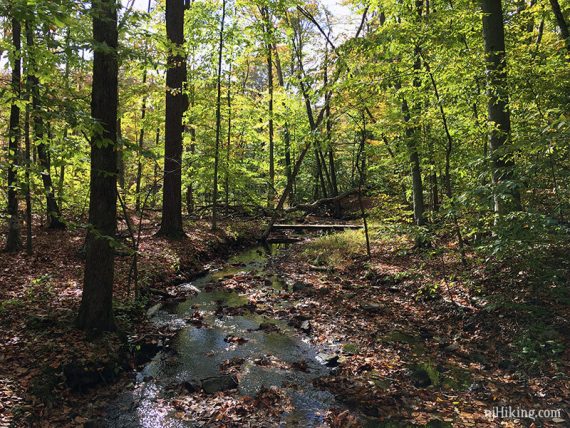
{"x": 51, "y": 373}
{"x": 227, "y": 343}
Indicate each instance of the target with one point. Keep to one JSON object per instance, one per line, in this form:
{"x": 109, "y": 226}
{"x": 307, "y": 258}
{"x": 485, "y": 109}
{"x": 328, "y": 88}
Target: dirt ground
{"x": 418, "y": 340}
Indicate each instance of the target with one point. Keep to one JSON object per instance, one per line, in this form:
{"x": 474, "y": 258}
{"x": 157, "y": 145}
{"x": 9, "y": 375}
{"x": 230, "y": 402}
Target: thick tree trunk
{"x": 13, "y": 239}
{"x": 562, "y": 24}
{"x": 218, "y": 120}
{"x": 176, "y": 104}
{"x": 96, "y": 311}
{"x": 505, "y": 199}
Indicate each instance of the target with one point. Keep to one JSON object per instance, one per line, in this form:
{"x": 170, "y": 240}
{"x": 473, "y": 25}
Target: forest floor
{"x": 51, "y": 374}
{"x": 420, "y": 339}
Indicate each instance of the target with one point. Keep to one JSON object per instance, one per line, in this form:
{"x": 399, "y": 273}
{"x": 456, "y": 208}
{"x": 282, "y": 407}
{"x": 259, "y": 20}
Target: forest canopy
{"x": 450, "y": 114}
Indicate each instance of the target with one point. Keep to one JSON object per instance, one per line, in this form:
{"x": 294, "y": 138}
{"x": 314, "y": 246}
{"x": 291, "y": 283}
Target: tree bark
{"x": 330, "y": 148}
{"x": 28, "y": 161}
{"x": 218, "y": 120}
{"x": 505, "y": 199}
{"x": 269, "y": 44}
{"x": 141, "y": 148}
{"x": 176, "y": 104}
{"x": 562, "y": 24}
{"x": 120, "y": 157}
{"x": 286, "y": 132}
{"x": 228, "y": 144}
{"x": 96, "y": 311}
{"x": 13, "y": 239}
{"x": 52, "y": 207}
{"x": 138, "y": 179}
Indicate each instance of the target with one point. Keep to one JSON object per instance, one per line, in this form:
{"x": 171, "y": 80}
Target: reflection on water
{"x": 198, "y": 352}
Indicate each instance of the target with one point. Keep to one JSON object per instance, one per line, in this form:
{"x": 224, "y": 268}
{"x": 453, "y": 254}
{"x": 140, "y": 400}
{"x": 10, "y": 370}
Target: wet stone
{"x": 190, "y": 387}
{"x": 329, "y": 360}
{"x": 371, "y": 307}
{"x": 305, "y": 326}
{"x": 215, "y": 384}
{"x": 300, "y": 286}
{"x": 268, "y": 327}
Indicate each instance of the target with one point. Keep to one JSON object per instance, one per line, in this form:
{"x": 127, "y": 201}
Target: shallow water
{"x": 197, "y": 352}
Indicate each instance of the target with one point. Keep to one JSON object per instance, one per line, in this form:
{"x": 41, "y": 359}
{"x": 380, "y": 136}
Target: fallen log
{"x": 313, "y": 206}
{"x": 315, "y": 226}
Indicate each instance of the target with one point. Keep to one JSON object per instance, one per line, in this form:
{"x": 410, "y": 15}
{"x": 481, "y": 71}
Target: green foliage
{"x": 527, "y": 241}
{"x": 40, "y": 290}
{"x": 11, "y": 305}
{"x": 538, "y": 344}
{"x": 335, "y": 248}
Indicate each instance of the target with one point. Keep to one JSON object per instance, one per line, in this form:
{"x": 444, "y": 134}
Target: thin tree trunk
{"x": 120, "y": 157}
{"x": 61, "y": 178}
{"x": 218, "y": 120}
{"x": 269, "y": 57}
{"x": 286, "y": 131}
{"x": 330, "y": 148}
{"x": 192, "y": 149}
{"x": 361, "y": 185}
{"x": 449, "y": 145}
{"x": 417, "y": 186}
{"x": 52, "y": 208}
{"x": 498, "y": 108}
{"x": 138, "y": 178}
{"x": 96, "y": 310}
{"x": 13, "y": 239}
{"x": 412, "y": 137}
{"x": 176, "y": 104}
{"x": 28, "y": 161}
{"x": 562, "y": 24}
{"x": 228, "y": 144}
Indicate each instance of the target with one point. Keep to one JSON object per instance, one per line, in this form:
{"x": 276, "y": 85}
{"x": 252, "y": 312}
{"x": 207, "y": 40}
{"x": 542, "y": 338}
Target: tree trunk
{"x": 28, "y": 161}
{"x": 192, "y": 149}
{"x": 141, "y": 148}
{"x": 138, "y": 179}
{"x": 269, "y": 44}
{"x": 176, "y": 104}
{"x": 120, "y": 158}
{"x": 505, "y": 200}
{"x": 52, "y": 208}
{"x": 286, "y": 132}
{"x": 330, "y": 148}
{"x": 228, "y": 144}
{"x": 13, "y": 239}
{"x": 562, "y": 24}
{"x": 218, "y": 120}
{"x": 412, "y": 134}
{"x": 96, "y": 311}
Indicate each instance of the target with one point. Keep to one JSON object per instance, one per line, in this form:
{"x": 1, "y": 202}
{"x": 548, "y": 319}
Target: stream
{"x": 195, "y": 354}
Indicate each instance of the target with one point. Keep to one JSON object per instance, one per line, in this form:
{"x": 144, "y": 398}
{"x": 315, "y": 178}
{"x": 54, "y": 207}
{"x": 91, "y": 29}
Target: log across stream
{"x": 198, "y": 351}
